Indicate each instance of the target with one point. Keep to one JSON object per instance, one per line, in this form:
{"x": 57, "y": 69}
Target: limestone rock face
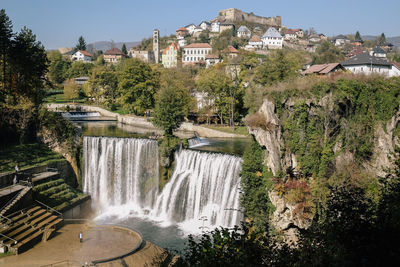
{"x": 270, "y": 139}
{"x": 287, "y": 216}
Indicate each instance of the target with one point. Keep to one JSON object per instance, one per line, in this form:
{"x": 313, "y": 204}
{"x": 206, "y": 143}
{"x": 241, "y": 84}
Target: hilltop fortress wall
{"x": 237, "y": 15}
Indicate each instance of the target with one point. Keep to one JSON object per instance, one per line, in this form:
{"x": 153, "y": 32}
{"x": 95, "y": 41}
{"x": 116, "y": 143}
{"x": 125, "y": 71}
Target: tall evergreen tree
{"x": 124, "y": 50}
{"x": 81, "y": 44}
{"x": 358, "y": 36}
{"x": 382, "y": 39}
{"x": 5, "y": 44}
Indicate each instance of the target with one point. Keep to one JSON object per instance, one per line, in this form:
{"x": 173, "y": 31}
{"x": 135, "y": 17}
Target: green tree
{"x": 358, "y": 36}
{"x": 279, "y": 66}
{"x": 29, "y": 66}
{"x": 79, "y": 69}
{"x": 81, "y": 45}
{"x": 5, "y": 44}
{"x": 327, "y": 53}
{"x": 103, "y": 85}
{"x": 382, "y": 39}
{"x": 172, "y": 105}
{"x": 58, "y": 67}
{"x": 220, "y": 88}
{"x": 71, "y": 89}
{"x": 137, "y": 85}
{"x": 124, "y": 50}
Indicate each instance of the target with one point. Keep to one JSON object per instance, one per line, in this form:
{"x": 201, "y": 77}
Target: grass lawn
{"x": 60, "y": 99}
{"x": 227, "y": 129}
{"x": 27, "y": 155}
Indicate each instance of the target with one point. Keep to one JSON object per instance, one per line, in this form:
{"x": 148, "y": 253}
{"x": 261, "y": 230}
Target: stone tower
{"x": 156, "y": 46}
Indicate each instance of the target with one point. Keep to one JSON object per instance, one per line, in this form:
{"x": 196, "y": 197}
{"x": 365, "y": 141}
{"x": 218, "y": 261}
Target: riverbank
{"x": 186, "y": 130}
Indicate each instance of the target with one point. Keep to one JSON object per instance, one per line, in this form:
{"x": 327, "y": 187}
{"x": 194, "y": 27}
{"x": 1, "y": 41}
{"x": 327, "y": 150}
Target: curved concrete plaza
{"x": 99, "y": 242}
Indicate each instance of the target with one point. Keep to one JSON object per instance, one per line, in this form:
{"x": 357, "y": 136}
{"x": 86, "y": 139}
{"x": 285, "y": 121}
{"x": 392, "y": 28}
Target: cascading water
{"x": 123, "y": 172}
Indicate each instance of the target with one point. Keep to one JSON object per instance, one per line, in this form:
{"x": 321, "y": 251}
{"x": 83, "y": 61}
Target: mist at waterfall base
{"x": 122, "y": 176}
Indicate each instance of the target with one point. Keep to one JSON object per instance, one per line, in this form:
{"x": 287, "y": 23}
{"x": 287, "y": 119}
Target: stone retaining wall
{"x": 143, "y": 122}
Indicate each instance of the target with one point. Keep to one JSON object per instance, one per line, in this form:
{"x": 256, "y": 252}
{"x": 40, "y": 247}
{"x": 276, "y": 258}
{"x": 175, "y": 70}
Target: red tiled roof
{"x": 290, "y": 31}
{"x": 114, "y": 52}
{"x": 321, "y": 68}
{"x": 231, "y": 49}
{"x": 397, "y": 64}
{"x": 85, "y": 53}
{"x": 176, "y": 47}
{"x": 198, "y": 45}
{"x": 182, "y": 29}
{"x": 212, "y": 56}
{"x": 255, "y": 38}
{"x": 356, "y": 51}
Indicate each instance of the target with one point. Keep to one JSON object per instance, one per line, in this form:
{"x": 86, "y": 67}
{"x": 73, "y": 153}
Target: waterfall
{"x": 124, "y": 172}
{"x": 120, "y": 171}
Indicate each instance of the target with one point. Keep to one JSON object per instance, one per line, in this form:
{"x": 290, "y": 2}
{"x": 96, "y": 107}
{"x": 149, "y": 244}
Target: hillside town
{"x": 195, "y": 45}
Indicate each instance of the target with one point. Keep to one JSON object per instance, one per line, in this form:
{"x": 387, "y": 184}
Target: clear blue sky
{"x": 60, "y": 23}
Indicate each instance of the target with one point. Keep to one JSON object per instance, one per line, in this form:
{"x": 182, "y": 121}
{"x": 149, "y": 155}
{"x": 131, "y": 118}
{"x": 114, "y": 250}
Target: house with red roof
{"x": 255, "y": 43}
{"x": 231, "y": 52}
{"x": 170, "y": 56}
{"x": 113, "y": 55}
{"x": 324, "y": 69}
{"x": 290, "y": 35}
{"x": 195, "y": 53}
{"x": 81, "y": 55}
{"x": 181, "y": 32}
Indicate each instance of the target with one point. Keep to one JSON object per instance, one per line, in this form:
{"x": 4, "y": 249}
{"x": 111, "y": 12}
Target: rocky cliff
{"x": 315, "y": 137}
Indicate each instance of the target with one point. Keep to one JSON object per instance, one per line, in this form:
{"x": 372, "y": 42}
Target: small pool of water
{"x": 235, "y": 146}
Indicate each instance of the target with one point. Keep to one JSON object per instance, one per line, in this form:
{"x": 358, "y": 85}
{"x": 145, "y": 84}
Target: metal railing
{"x": 49, "y": 208}
{"x": 10, "y": 201}
{"x": 8, "y": 219}
{"x": 15, "y": 241}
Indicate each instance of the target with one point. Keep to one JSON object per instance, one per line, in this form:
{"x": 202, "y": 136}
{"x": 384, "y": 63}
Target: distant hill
{"x": 105, "y": 45}
{"x": 394, "y": 40}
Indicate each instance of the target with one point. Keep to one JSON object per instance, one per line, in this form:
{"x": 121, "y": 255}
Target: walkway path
{"x": 98, "y": 243}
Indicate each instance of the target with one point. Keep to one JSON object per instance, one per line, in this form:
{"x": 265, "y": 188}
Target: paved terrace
{"x": 98, "y": 243}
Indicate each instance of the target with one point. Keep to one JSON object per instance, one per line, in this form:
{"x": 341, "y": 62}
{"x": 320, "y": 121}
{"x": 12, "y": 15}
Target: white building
{"x": 341, "y": 40}
{"x": 378, "y": 52}
{"x": 205, "y": 25}
{"x": 243, "y": 32}
{"x": 181, "y": 41}
{"x": 255, "y": 43}
{"x": 290, "y": 35}
{"x": 195, "y": 53}
{"x": 81, "y": 55}
{"x": 144, "y": 55}
{"x": 211, "y": 60}
{"x": 190, "y": 28}
{"x": 215, "y": 26}
{"x": 367, "y": 64}
{"x": 395, "y": 69}
{"x": 170, "y": 56}
{"x": 272, "y": 39}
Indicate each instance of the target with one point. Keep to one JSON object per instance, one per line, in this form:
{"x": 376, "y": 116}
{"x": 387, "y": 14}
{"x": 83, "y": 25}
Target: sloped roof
{"x": 85, "y": 53}
{"x": 396, "y": 64}
{"x": 379, "y": 50}
{"x": 174, "y": 45}
{"x": 206, "y": 22}
{"x": 189, "y": 25}
{"x": 272, "y": 32}
{"x": 341, "y": 36}
{"x": 212, "y": 56}
{"x": 366, "y": 59}
{"x": 231, "y": 49}
{"x": 182, "y": 29}
{"x": 290, "y": 31}
{"x": 114, "y": 52}
{"x": 322, "y": 68}
{"x": 198, "y": 45}
{"x": 356, "y": 51}
{"x": 243, "y": 29}
{"x": 255, "y": 38}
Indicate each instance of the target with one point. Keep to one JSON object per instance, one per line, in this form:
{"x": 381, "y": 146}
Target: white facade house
{"x": 395, "y": 72}
{"x": 81, "y": 55}
{"x": 255, "y": 43}
{"x": 290, "y": 35}
{"x": 378, "y": 52}
{"x": 195, "y": 53}
{"x": 211, "y": 60}
{"x": 170, "y": 56}
{"x": 367, "y": 64}
{"x": 215, "y": 26}
{"x": 341, "y": 40}
{"x": 205, "y": 25}
{"x": 243, "y": 32}
{"x": 197, "y": 29}
{"x": 181, "y": 41}
{"x": 272, "y": 39}
{"x": 190, "y": 28}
